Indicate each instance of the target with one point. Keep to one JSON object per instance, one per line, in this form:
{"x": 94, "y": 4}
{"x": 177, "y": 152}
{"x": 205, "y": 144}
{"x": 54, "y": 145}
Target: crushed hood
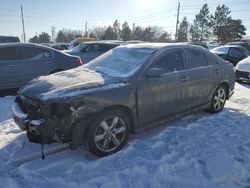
{"x": 67, "y": 83}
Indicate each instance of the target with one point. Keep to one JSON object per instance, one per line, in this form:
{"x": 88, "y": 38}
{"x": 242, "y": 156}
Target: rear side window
{"x": 244, "y": 51}
{"x": 195, "y": 58}
{"x": 171, "y": 61}
{"x": 107, "y": 47}
{"x": 92, "y": 48}
{"x": 35, "y": 53}
{"x": 9, "y": 54}
{"x": 234, "y": 52}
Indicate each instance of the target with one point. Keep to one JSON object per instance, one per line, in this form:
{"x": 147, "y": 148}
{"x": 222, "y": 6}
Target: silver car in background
{"x": 22, "y": 62}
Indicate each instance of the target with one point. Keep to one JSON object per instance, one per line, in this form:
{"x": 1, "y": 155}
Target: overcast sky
{"x": 40, "y": 15}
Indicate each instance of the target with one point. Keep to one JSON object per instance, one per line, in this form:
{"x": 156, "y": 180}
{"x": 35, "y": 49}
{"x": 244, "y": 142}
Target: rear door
{"x": 35, "y": 62}
{"x": 202, "y": 77}
{"x": 160, "y": 97}
{"x": 9, "y": 67}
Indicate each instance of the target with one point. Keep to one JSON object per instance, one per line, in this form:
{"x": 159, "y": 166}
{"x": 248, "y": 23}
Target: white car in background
{"x": 243, "y": 70}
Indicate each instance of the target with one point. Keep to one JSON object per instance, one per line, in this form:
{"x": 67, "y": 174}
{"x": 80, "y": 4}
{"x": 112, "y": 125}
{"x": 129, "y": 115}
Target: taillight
{"x": 78, "y": 61}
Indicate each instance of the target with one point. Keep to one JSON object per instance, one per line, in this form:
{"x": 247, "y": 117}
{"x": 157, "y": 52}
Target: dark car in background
{"x": 231, "y": 53}
{"x": 128, "y": 89}
{"x": 88, "y": 51}
{"x": 22, "y": 62}
{"x": 60, "y": 46}
{"x": 240, "y": 43}
{"x": 8, "y": 39}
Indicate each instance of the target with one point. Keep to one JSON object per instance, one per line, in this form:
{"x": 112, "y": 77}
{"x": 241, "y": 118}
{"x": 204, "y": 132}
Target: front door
{"x": 9, "y": 68}
{"x": 160, "y": 97}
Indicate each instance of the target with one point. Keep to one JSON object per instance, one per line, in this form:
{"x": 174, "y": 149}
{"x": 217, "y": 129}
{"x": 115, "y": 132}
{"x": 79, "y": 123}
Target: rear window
{"x": 35, "y": 53}
{"x": 9, "y": 54}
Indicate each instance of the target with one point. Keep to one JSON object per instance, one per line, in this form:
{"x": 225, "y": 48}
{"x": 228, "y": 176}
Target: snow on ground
{"x": 202, "y": 150}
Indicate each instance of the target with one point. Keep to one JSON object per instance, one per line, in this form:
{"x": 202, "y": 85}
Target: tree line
{"x": 219, "y": 27}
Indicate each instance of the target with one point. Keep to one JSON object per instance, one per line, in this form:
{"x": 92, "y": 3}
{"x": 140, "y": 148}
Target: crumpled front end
{"x": 48, "y": 122}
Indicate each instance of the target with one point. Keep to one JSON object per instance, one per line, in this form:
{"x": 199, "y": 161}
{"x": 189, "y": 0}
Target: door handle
{"x": 11, "y": 65}
{"x": 184, "y": 79}
{"x": 216, "y": 71}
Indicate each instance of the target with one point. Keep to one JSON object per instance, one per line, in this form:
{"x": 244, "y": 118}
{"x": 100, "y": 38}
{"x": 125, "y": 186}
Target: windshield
{"x": 223, "y": 50}
{"x": 120, "y": 61}
{"x": 78, "y": 48}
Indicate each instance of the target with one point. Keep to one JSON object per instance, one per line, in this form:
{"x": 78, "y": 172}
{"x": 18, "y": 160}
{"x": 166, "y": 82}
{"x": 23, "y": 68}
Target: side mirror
{"x": 154, "y": 72}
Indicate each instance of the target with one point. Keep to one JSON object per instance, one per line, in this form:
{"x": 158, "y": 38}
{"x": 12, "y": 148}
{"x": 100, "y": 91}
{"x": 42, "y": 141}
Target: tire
{"x": 108, "y": 133}
{"x": 218, "y": 100}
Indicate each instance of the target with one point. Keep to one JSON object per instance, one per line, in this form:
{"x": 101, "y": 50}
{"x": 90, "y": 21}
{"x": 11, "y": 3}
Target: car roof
{"x": 232, "y": 46}
{"x": 18, "y": 44}
{"x": 163, "y": 45}
{"x": 99, "y": 42}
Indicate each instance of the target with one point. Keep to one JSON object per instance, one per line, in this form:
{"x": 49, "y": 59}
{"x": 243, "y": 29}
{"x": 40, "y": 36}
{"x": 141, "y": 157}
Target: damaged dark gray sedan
{"x": 128, "y": 89}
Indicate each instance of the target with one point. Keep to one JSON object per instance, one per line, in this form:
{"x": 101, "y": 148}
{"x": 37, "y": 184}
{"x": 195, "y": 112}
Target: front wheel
{"x": 108, "y": 133}
{"x": 218, "y": 99}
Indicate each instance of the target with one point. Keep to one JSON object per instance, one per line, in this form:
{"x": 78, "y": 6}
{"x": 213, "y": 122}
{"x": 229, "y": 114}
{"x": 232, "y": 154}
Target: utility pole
{"x": 177, "y": 21}
{"x": 24, "y": 37}
{"x": 53, "y": 31}
{"x": 86, "y": 28}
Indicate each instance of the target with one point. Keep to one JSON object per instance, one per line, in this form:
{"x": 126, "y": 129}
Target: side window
{"x": 235, "y": 53}
{"x": 244, "y": 51}
{"x": 9, "y": 54}
{"x": 195, "y": 58}
{"x": 170, "y": 62}
{"x": 35, "y": 53}
{"x": 92, "y": 48}
{"x": 105, "y": 48}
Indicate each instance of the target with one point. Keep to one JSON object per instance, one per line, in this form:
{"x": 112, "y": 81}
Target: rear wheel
{"x": 218, "y": 99}
{"x": 108, "y": 133}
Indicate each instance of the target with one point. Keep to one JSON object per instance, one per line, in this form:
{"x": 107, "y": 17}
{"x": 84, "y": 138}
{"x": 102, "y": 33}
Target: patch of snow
{"x": 201, "y": 150}
{"x": 66, "y": 93}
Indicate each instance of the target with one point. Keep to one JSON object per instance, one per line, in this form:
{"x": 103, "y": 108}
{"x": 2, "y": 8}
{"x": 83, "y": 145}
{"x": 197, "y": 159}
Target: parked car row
{"x": 127, "y": 89}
